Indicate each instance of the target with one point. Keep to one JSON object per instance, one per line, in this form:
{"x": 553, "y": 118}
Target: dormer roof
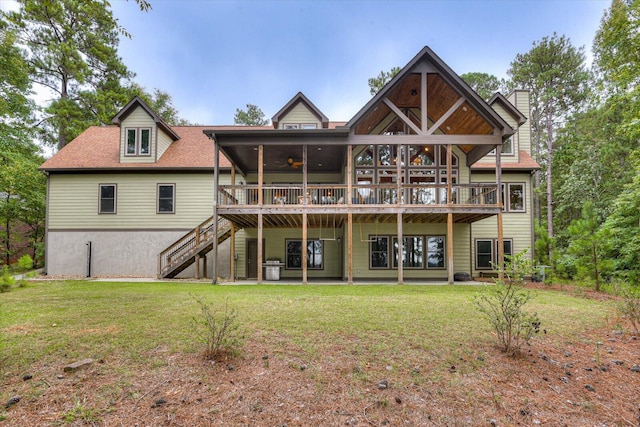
{"x": 498, "y": 98}
{"x": 300, "y": 98}
{"x": 138, "y": 102}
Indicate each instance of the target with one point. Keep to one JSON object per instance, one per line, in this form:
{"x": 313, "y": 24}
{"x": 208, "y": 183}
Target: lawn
{"x": 312, "y": 355}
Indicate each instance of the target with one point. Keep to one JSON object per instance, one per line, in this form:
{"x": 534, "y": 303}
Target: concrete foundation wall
{"x": 118, "y": 253}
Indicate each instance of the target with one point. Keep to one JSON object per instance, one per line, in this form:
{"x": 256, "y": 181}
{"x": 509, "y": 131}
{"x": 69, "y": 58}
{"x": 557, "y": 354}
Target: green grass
{"x": 66, "y": 320}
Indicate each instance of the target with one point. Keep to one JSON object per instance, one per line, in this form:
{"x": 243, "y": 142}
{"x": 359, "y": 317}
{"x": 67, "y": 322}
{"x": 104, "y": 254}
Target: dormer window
{"x": 507, "y": 147}
{"x": 138, "y": 141}
{"x": 300, "y": 126}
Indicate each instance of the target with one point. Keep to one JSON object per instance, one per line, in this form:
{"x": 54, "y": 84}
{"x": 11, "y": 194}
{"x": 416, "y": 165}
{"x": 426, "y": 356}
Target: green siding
{"x": 520, "y": 98}
{"x": 73, "y": 201}
{"x": 164, "y": 141}
{"x": 300, "y": 114}
{"x": 138, "y": 118}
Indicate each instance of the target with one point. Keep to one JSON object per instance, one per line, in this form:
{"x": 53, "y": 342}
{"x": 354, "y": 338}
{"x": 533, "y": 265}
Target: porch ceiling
{"x": 338, "y": 220}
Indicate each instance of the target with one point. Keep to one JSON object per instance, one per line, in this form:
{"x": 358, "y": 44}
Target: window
{"x": 379, "y": 247}
{"x": 435, "y": 252}
{"x": 290, "y": 126}
{"x": 507, "y": 147}
{"x": 487, "y": 252}
{"x": 166, "y": 198}
{"x": 138, "y": 142}
{"x": 418, "y": 252}
{"x": 107, "y": 199}
{"x": 315, "y": 251}
{"x": 412, "y": 252}
{"x": 516, "y": 198}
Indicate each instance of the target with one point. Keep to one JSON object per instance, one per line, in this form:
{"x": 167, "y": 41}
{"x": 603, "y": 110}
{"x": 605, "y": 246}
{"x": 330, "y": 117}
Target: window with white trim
{"x": 507, "y": 147}
{"x": 516, "y": 197}
{"x": 107, "y": 204}
{"x": 315, "y": 254}
{"x": 138, "y": 141}
{"x": 487, "y": 252}
{"x": 166, "y": 198}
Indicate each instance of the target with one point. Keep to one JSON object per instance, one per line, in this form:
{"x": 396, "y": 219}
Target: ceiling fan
{"x": 292, "y": 163}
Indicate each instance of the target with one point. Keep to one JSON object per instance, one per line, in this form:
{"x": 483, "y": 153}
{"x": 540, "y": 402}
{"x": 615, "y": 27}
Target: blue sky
{"x": 216, "y": 56}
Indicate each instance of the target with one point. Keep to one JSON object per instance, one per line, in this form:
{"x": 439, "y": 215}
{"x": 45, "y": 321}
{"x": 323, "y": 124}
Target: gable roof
{"x": 299, "y": 98}
{"x": 426, "y": 54}
{"x": 509, "y": 107}
{"x": 98, "y": 148}
{"x": 138, "y": 102}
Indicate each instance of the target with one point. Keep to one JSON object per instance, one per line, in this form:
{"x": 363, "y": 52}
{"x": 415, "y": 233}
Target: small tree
{"x": 587, "y": 245}
{"x": 378, "y": 82}
{"x": 253, "y": 116}
{"x": 218, "y": 331}
{"x": 503, "y": 304}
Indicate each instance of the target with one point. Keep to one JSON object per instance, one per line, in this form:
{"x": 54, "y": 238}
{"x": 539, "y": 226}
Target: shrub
{"x": 629, "y": 304}
{"x": 25, "y": 263}
{"x": 6, "y": 280}
{"x": 218, "y": 331}
{"x": 503, "y": 305}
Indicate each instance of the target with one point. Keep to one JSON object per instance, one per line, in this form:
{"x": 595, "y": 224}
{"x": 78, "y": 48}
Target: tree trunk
{"x": 7, "y": 239}
{"x": 62, "y": 138}
{"x": 549, "y": 181}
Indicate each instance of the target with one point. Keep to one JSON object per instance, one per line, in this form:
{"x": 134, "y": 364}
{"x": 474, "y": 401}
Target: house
{"x": 405, "y": 190}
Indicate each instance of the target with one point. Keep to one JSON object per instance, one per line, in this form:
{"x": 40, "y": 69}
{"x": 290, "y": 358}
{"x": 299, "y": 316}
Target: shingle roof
{"x": 526, "y": 163}
{"x": 98, "y": 147}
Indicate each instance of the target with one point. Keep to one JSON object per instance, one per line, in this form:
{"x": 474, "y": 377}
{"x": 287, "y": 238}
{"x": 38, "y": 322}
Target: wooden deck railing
{"x": 185, "y": 248}
{"x": 336, "y": 194}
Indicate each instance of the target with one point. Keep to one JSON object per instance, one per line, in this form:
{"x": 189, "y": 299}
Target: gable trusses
{"x": 427, "y": 102}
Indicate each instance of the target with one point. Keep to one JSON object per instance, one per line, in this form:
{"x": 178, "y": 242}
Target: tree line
{"x": 585, "y": 124}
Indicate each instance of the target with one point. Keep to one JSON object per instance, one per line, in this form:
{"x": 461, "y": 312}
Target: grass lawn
{"x": 352, "y": 335}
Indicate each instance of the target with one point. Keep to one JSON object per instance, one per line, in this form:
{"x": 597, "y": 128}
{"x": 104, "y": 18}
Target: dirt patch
{"x": 590, "y": 379}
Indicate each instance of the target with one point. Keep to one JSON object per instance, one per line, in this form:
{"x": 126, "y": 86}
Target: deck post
{"x": 304, "y": 248}
{"x": 216, "y": 183}
{"x": 500, "y": 260}
{"x": 204, "y": 267}
{"x": 350, "y": 248}
{"x": 400, "y": 249}
{"x": 260, "y": 254}
{"x": 450, "y": 274}
{"x": 232, "y": 241}
{"x": 349, "y": 197}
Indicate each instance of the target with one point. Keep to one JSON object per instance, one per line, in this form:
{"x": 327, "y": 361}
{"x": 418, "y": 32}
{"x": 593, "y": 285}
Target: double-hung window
{"x": 315, "y": 254}
{"x": 487, "y": 252}
{"x": 166, "y": 198}
{"x": 107, "y": 194}
{"x": 138, "y": 141}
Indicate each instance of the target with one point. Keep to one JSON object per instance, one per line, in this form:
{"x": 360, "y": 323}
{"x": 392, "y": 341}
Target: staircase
{"x": 197, "y": 242}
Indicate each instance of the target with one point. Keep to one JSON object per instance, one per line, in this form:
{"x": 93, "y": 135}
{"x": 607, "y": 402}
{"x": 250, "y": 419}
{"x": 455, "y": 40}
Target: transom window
{"x": 166, "y": 198}
{"x": 315, "y": 254}
{"x": 138, "y": 141}
{"x": 107, "y": 204}
{"x": 418, "y": 252}
{"x": 487, "y": 252}
{"x": 300, "y": 126}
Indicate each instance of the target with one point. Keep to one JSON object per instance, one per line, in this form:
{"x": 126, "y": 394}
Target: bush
{"x": 25, "y": 263}
{"x": 629, "y": 304}
{"x": 503, "y": 304}
{"x": 6, "y": 280}
{"x": 218, "y": 331}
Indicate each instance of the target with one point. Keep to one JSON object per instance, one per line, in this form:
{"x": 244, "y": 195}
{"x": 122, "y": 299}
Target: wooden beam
{"x": 260, "y": 254}
{"x": 260, "y": 173}
{"x": 450, "y": 248}
{"x": 424, "y": 118}
{"x": 500, "y": 202}
{"x": 232, "y": 255}
{"x": 350, "y": 248}
{"x": 402, "y": 116}
{"x": 216, "y": 183}
{"x": 446, "y": 115}
{"x": 425, "y": 139}
{"x": 400, "y": 248}
{"x": 304, "y": 248}
{"x": 349, "y": 175}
